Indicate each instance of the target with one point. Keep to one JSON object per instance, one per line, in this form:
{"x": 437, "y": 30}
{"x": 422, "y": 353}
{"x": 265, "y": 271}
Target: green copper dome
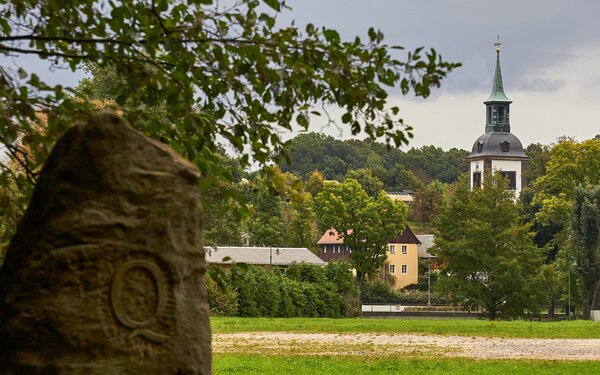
{"x": 498, "y": 94}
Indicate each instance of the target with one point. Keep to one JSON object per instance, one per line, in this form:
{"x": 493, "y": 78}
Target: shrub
{"x": 222, "y": 300}
{"x": 302, "y": 290}
{"x": 247, "y": 291}
{"x": 340, "y": 274}
{"x": 305, "y": 272}
{"x": 379, "y": 292}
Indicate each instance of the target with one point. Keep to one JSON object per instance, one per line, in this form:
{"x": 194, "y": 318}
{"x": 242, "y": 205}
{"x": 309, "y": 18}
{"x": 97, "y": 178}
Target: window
{"x": 404, "y": 249}
{"x": 489, "y": 115}
{"x": 392, "y": 268}
{"x": 392, "y": 249}
{"x": 339, "y": 248}
{"x": 512, "y": 179}
{"x": 505, "y": 146}
{"x": 324, "y": 249}
{"x": 476, "y": 179}
{"x": 479, "y": 146}
{"x": 501, "y": 114}
{"x": 404, "y": 268}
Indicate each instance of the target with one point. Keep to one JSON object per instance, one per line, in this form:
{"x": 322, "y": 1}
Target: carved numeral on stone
{"x": 138, "y": 297}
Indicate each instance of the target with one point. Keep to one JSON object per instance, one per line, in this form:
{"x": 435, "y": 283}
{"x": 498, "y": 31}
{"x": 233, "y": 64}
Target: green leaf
{"x": 275, "y": 4}
{"x": 372, "y": 34}
{"x": 331, "y": 35}
{"x": 302, "y": 120}
{"x": 346, "y": 118}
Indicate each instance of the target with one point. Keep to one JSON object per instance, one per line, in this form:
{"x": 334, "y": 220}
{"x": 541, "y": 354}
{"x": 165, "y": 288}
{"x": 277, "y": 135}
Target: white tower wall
{"x": 509, "y": 166}
{"x": 499, "y": 165}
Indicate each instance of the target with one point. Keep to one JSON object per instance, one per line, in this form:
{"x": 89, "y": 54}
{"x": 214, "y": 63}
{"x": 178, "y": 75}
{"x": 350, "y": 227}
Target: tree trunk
{"x": 551, "y": 308}
{"x": 360, "y": 279}
{"x": 588, "y": 293}
{"x": 596, "y": 297}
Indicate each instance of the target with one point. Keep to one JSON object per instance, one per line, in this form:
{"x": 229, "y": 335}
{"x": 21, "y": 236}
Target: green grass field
{"x": 264, "y": 364}
{"x": 524, "y": 329}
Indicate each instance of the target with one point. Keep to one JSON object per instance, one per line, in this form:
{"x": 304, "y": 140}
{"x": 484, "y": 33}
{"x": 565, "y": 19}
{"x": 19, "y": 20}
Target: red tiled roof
{"x": 331, "y": 237}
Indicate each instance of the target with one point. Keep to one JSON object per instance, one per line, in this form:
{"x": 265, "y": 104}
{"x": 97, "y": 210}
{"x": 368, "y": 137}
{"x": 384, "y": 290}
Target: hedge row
{"x": 300, "y": 291}
{"x": 379, "y": 292}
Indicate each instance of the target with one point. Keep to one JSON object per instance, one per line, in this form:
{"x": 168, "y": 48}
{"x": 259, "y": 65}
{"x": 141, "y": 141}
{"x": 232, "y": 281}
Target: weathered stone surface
{"x": 106, "y": 272}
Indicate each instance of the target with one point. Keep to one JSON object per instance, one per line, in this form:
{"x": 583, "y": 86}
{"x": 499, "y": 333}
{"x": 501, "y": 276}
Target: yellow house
{"x": 403, "y": 259}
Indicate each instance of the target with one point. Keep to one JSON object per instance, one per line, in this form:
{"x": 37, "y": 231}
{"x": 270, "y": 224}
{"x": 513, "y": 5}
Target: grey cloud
{"x": 536, "y": 34}
{"x": 540, "y": 84}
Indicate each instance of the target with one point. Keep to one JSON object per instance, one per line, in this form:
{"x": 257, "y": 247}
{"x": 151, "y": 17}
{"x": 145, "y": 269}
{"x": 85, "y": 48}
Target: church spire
{"x": 497, "y": 119}
{"x": 497, "y": 94}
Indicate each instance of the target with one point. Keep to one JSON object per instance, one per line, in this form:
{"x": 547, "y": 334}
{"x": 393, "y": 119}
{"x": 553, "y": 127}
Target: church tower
{"x": 498, "y": 150}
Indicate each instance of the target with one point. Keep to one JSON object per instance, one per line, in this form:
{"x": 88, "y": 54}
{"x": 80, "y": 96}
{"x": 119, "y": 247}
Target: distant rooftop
{"x": 405, "y": 237}
{"x": 401, "y": 192}
{"x": 260, "y": 255}
{"x": 404, "y": 195}
{"x": 331, "y": 237}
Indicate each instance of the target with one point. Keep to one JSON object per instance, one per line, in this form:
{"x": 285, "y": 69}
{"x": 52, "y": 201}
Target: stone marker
{"x": 105, "y": 274}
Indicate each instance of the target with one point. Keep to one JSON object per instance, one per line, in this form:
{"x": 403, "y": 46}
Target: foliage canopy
{"x": 226, "y": 71}
{"x": 366, "y": 224}
{"x": 489, "y": 259}
{"x": 194, "y": 72}
{"x": 585, "y": 228}
{"x": 397, "y": 169}
{"x": 571, "y": 164}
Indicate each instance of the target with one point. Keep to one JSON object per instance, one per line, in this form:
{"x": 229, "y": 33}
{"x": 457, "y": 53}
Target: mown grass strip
{"x": 463, "y": 327}
{"x": 265, "y": 364}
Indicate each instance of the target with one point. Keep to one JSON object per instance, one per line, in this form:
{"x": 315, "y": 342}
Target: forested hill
{"x": 397, "y": 169}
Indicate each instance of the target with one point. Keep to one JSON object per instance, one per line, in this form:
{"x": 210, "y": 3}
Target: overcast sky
{"x": 550, "y": 62}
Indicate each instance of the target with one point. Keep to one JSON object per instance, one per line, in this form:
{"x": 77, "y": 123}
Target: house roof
{"x": 490, "y": 144}
{"x": 427, "y": 241}
{"x": 407, "y": 236}
{"x": 331, "y": 237}
{"x": 260, "y": 255}
{"x": 402, "y": 192}
{"x": 404, "y": 196}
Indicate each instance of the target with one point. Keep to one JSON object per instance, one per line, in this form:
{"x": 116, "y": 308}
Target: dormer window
{"x": 505, "y": 146}
{"x": 479, "y": 146}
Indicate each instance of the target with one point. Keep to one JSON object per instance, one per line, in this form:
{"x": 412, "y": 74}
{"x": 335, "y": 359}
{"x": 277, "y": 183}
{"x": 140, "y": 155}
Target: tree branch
{"x": 43, "y": 53}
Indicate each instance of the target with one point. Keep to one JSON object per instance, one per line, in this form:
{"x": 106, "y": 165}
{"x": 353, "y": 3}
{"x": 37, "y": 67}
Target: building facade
{"x": 498, "y": 150}
{"x": 403, "y": 259}
{"x": 331, "y": 246}
{"x": 402, "y": 262}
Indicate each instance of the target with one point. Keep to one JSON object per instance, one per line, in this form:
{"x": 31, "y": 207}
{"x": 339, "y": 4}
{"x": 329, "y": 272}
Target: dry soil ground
{"x": 371, "y": 344}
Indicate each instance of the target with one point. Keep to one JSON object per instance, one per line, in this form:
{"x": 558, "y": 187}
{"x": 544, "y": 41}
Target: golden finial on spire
{"x": 497, "y": 44}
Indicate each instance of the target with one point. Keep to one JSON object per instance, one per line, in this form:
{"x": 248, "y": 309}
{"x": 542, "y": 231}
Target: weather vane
{"x": 497, "y": 44}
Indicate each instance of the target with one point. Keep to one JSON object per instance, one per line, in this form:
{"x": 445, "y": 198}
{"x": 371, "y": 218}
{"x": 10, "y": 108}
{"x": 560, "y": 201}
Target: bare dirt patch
{"x": 370, "y": 344}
